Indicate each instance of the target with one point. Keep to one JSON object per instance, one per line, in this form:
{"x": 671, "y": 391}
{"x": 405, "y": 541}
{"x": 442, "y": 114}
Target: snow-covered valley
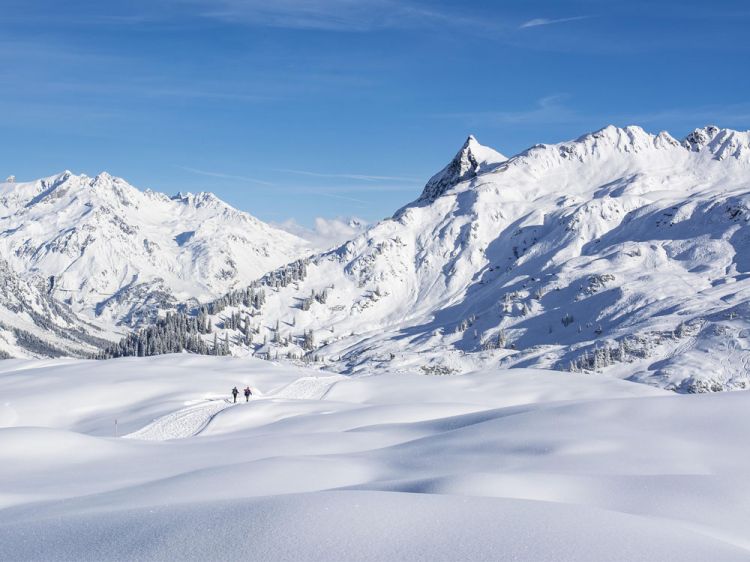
{"x": 265, "y": 296}
{"x": 515, "y": 464}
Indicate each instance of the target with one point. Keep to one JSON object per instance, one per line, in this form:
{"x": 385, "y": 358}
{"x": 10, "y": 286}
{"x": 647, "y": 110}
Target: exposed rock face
{"x": 471, "y": 160}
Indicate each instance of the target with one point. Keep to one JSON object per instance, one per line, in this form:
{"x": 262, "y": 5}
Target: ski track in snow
{"x": 182, "y": 423}
{"x": 191, "y": 421}
{"x": 308, "y": 388}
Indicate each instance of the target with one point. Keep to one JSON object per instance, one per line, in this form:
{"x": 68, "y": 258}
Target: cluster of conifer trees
{"x": 185, "y": 331}
{"x": 175, "y": 333}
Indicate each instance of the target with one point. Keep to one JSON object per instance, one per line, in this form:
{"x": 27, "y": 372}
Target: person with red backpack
{"x": 248, "y": 393}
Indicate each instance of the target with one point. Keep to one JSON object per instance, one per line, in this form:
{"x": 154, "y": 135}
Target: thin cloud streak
{"x": 221, "y": 175}
{"x": 737, "y": 115}
{"x": 551, "y": 110}
{"x": 548, "y": 109}
{"x": 330, "y": 15}
{"x": 339, "y": 197}
{"x": 538, "y": 22}
{"x": 331, "y": 193}
{"x": 360, "y": 177}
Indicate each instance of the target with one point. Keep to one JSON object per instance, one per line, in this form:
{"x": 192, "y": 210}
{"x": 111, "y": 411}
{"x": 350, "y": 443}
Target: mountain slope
{"x": 120, "y": 254}
{"x": 620, "y": 252}
{"x": 32, "y": 324}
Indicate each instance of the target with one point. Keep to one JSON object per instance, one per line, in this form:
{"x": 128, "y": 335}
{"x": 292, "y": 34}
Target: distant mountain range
{"x": 620, "y": 252}
{"x": 118, "y": 254}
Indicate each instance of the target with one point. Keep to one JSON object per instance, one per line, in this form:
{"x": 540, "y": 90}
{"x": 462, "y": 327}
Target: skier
{"x": 248, "y": 392}
{"x": 235, "y": 392}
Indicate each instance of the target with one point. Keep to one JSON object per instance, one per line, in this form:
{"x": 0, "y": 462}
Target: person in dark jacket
{"x": 248, "y": 393}
{"x": 235, "y": 392}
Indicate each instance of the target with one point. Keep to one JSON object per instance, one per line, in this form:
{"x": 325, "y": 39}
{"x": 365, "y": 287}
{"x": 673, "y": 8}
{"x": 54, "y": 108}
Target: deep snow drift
{"x": 521, "y": 464}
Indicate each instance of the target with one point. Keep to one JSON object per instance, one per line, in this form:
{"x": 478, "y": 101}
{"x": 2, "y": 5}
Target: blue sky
{"x": 299, "y": 109}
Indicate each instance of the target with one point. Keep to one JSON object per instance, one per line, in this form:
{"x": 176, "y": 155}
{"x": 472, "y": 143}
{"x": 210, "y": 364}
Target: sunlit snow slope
{"x": 620, "y": 252}
{"x": 33, "y": 324}
{"x": 117, "y": 253}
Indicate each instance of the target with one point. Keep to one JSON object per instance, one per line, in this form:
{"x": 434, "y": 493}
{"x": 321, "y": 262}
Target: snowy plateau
{"x": 543, "y": 357}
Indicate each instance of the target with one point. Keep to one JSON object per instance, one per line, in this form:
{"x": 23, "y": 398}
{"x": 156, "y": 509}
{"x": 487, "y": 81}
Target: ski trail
{"x": 192, "y": 420}
{"x": 183, "y": 423}
{"x": 308, "y": 388}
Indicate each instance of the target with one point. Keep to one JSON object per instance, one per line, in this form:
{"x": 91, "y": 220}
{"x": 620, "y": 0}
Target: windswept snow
{"x": 520, "y": 464}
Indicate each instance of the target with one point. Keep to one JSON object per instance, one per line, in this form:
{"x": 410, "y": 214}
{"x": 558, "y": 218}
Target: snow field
{"x": 521, "y": 464}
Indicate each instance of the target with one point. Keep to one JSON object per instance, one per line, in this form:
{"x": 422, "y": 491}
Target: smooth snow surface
{"x": 492, "y": 465}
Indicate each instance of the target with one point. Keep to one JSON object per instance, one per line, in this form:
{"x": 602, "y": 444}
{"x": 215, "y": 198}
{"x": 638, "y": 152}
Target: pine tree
{"x": 308, "y": 343}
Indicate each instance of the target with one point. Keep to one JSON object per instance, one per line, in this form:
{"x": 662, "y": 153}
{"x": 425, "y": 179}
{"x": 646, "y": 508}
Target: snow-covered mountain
{"x": 119, "y": 254}
{"x": 620, "y": 251}
{"x": 33, "y": 324}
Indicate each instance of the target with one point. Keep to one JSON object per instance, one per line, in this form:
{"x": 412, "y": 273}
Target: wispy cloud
{"x": 223, "y": 176}
{"x": 734, "y": 116}
{"x": 326, "y": 233}
{"x": 339, "y": 197}
{"x": 537, "y": 22}
{"x": 320, "y": 15}
{"x": 329, "y": 15}
{"x": 357, "y": 177}
{"x": 549, "y": 109}
{"x": 552, "y": 110}
{"x": 737, "y": 111}
{"x": 341, "y": 192}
